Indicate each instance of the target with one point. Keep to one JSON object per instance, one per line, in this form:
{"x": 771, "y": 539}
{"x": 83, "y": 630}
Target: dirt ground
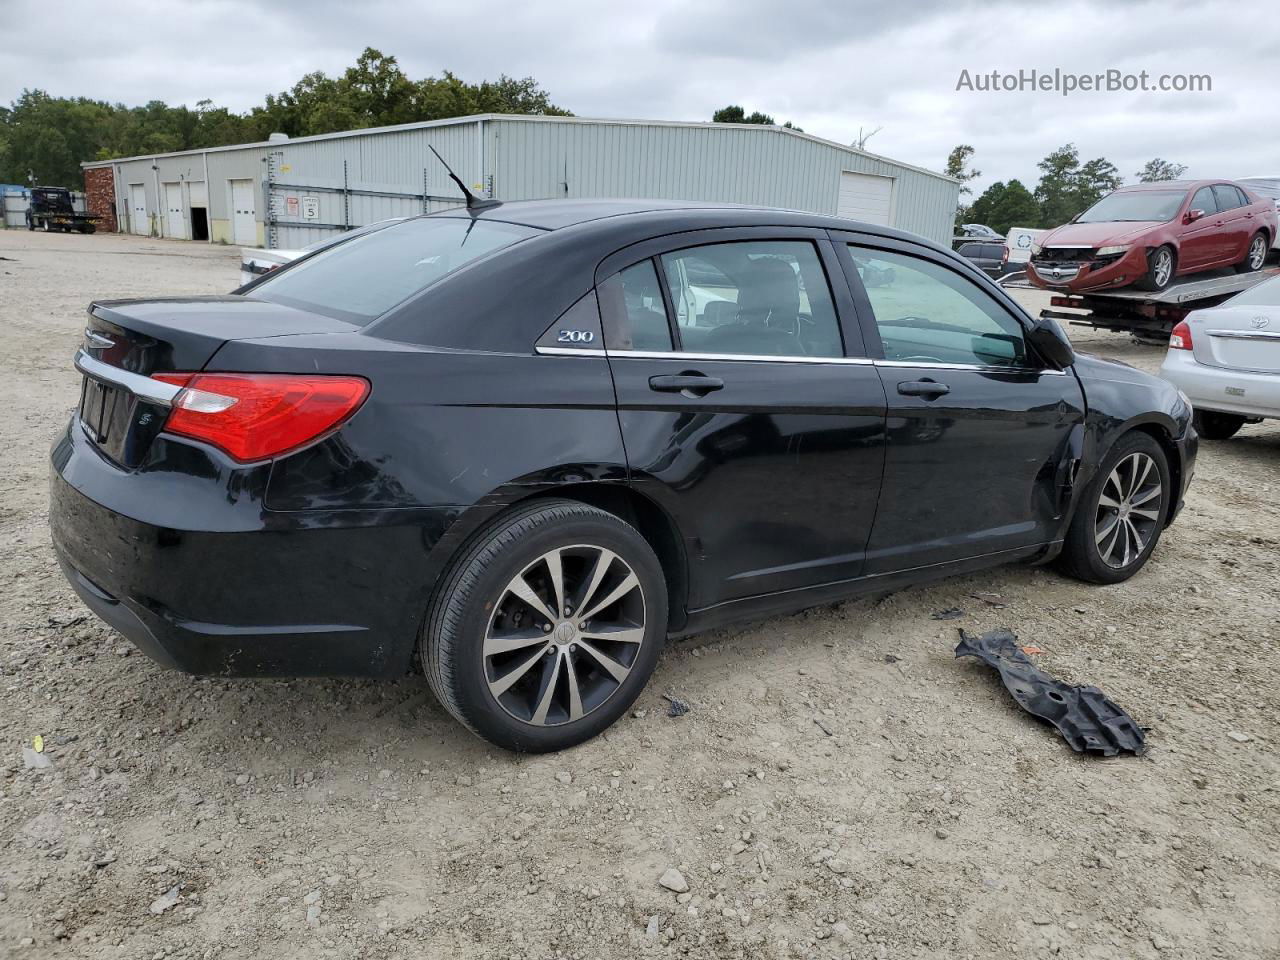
{"x": 195, "y": 818}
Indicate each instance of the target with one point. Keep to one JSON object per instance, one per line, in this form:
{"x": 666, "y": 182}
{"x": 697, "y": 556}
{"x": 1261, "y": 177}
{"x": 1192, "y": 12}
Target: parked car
{"x": 517, "y": 447}
{"x": 1227, "y": 360}
{"x": 1150, "y": 233}
{"x": 1268, "y": 188}
{"x": 989, "y": 256}
{"x": 979, "y": 230}
{"x": 258, "y": 261}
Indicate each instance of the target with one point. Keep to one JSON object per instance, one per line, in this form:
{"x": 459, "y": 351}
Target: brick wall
{"x": 100, "y": 194}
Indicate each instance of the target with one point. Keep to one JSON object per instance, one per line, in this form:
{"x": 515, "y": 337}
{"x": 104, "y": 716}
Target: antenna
{"x": 473, "y": 202}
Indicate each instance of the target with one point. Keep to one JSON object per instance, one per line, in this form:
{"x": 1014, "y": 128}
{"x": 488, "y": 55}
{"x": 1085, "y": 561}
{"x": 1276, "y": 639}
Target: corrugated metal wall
{"x": 535, "y": 158}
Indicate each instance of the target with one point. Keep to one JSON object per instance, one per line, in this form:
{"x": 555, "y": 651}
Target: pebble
{"x": 941, "y": 834}
{"x": 312, "y": 897}
{"x": 655, "y": 923}
{"x": 674, "y": 881}
{"x": 838, "y": 865}
{"x": 384, "y": 774}
{"x": 242, "y": 779}
{"x": 313, "y": 915}
{"x": 565, "y": 777}
{"x": 1239, "y": 737}
{"x": 35, "y": 761}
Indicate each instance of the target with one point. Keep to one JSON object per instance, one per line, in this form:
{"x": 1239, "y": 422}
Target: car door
{"x": 1237, "y": 223}
{"x": 748, "y": 409}
{"x": 1200, "y": 242}
{"x": 983, "y": 438}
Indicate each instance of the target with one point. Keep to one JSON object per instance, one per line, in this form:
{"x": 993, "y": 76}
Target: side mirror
{"x": 1051, "y": 343}
{"x": 1192, "y": 216}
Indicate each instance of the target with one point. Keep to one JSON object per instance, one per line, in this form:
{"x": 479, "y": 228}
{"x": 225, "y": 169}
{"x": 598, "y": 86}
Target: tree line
{"x": 1066, "y": 187}
{"x": 43, "y": 139}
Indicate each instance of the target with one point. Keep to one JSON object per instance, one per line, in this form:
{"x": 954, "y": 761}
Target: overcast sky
{"x": 830, "y": 66}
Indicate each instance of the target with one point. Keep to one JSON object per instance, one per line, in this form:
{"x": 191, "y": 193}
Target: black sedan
{"x": 518, "y": 447}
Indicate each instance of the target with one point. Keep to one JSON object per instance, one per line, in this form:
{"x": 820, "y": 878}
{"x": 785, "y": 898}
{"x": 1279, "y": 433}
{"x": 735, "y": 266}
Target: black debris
{"x": 951, "y": 613}
{"x": 890, "y": 658}
{"x": 823, "y": 727}
{"x": 677, "y": 707}
{"x": 1085, "y": 717}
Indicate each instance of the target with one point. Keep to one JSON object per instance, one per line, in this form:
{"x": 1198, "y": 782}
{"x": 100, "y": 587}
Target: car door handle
{"x": 923, "y": 388}
{"x": 690, "y": 384}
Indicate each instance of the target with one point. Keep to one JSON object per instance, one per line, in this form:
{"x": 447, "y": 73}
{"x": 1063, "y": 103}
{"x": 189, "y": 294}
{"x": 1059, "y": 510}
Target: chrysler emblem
{"x": 1260, "y": 322}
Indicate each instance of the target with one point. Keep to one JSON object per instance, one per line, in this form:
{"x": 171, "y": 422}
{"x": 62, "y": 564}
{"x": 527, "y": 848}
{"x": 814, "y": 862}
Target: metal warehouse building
{"x": 288, "y": 193}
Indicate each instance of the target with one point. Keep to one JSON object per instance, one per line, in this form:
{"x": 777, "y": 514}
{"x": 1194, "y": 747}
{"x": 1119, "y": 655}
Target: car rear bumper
{"x": 1222, "y": 389}
{"x": 1188, "y": 446}
{"x": 295, "y": 595}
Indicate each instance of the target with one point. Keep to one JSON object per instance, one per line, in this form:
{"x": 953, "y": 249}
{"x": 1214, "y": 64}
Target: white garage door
{"x": 244, "y": 225}
{"x": 865, "y": 197}
{"x": 139, "y": 222}
{"x": 174, "y": 223}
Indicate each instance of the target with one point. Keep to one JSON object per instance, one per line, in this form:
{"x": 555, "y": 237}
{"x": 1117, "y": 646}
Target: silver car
{"x": 1226, "y": 359}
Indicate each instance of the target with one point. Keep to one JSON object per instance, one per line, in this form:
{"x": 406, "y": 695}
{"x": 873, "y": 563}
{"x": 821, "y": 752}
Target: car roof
{"x": 681, "y": 214}
{"x": 1170, "y": 185}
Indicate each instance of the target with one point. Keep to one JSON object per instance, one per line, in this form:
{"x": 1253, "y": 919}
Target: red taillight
{"x": 256, "y": 416}
{"x": 1004, "y": 255}
{"x": 1180, "y": 338}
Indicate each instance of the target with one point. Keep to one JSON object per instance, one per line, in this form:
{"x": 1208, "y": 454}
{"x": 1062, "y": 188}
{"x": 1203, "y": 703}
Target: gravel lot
{"x": 191, "y": 818}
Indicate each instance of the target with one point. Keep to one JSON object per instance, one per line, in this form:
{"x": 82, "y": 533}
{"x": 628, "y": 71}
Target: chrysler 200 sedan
{"x": 519, "y": 447}
{"x": 1148, "y": 234}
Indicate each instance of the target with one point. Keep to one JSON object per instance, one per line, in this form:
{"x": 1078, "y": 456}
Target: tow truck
{"x": 50, "y": 209}
{"x": 1148, "y": 315}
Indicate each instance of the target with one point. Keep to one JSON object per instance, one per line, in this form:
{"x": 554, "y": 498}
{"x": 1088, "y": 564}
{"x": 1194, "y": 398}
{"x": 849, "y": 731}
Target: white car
{"x": 255, "y": 261}
{"x": 1226, "y": 359}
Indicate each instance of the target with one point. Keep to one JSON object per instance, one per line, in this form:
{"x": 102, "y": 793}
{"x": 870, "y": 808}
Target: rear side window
{"x": 927, "y": 314}
{"x": 753, "y": 298}
{"x": 1204, "y": 200}
{"x": 970, "y": 250}
{"x": 632, "y": 300}
{"x": 1228, "y": 197}
{"x": 364, "y": 277}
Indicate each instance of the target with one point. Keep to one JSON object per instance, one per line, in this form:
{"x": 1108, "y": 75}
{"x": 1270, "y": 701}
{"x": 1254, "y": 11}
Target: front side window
{"x": 363, "y": 277}
{"x": 926, "y": 314}
{"x": 1204, "y": 201}
{"x": 753, "y": 298}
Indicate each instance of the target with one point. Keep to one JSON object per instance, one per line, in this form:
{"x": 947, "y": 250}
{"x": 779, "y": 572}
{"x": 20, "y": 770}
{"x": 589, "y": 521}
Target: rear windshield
{"x": 363, "y": 278}
{"x": 1136, "y": 205}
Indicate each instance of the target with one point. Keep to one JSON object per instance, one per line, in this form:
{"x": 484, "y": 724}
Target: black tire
{"x": 471, "y": 594}
{"x": 31, "y": 224}
{"x": 1255, "y": 254}
{"x": 1082, "y": 555}
{"x": 1212, "y": 425}
{"x": 88, "y": 228}
{"x": 1157, "y": 277}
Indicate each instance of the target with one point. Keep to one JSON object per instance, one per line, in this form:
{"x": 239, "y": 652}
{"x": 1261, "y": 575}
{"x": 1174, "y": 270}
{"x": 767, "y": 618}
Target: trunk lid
{"x": 1240, "y": 337}
{"x": 172, "y": 335}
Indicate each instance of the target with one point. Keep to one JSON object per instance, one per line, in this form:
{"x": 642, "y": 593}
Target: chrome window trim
{"x": 765, "y": 358}
{"x": 1245, "y": 334}
{"x": 982, "y": 368}
{"x": 739, "y": 357}
{"x": 145, "y": 388}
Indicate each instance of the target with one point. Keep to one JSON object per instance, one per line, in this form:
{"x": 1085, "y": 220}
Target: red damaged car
{"x": 1147, "y": 234}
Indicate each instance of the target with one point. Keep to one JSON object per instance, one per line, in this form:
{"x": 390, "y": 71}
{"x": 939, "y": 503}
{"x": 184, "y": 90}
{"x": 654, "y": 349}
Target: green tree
{"x": 1095, "y": 180}
{"x": 1055, "y": 193}
{"x": 1003, "y": 206}
{"x": 735, "y": 114}
{"x": 958, "y": 167}
{"x": 1158, "y": 170}
{"x": 48, "y": 137}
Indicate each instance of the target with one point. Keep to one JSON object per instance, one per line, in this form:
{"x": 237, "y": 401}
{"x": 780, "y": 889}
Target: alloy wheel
{"x": 1164, "y": 266}
{"x": 1129, "y": 510}
{"x": 1257, "y": 252}
{"x": 564, "y": 635}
